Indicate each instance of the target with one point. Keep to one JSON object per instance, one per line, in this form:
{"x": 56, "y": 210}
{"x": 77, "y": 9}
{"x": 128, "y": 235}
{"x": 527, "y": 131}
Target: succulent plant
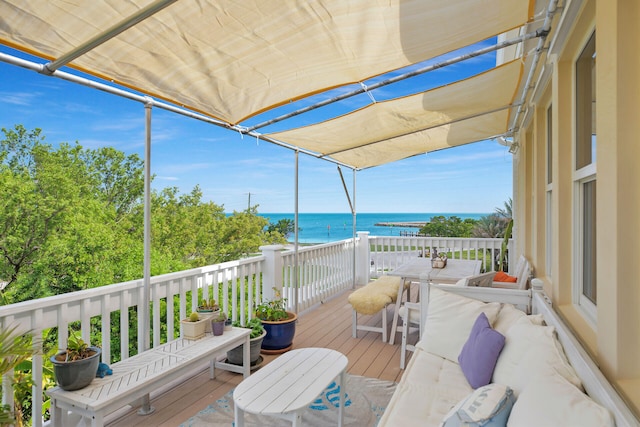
{"x": 221, "y": 317}
{"x": 209, "y": 304}
{"x": 194, "y": 317}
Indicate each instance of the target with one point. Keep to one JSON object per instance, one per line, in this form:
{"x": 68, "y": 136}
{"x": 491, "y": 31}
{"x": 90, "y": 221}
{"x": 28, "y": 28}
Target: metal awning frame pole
{"x": 546, "y": 27}
{"x": 352, "y": 207}
{"x": 144, "y": 343}
{"x": 423, "y": 70}
{"x": 143, "y": 306}
{"x": 353, "y": 214}
{"x": 296, "y": 269}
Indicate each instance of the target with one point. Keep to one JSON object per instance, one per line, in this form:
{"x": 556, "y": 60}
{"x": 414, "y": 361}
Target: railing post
{"x": 363, "y": 258}
{"x": 272, "y": 272}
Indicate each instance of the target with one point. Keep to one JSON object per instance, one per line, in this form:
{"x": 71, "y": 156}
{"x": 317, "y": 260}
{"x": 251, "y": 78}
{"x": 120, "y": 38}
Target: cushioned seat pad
{"x": 426, "y": 396}
{"x": 375, "y": 296}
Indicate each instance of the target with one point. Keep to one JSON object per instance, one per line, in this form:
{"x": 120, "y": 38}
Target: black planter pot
{"x": 279, "y": 338}
{"x": 77, "y": 374}
{"x": 234, "y": 356}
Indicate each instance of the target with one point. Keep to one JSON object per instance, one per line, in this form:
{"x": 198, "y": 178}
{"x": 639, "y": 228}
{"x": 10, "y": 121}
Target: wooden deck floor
{"x": 328, "y": 325}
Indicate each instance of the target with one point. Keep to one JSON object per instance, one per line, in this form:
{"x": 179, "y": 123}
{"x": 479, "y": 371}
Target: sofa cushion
{"x": 509, "y": 315}
{"x": 450, "y": 318}
{"x": 480, "y": 353}
{"x": 488, "y": 406}
{"x": 553, "y": 401}
{"x": 429, "y": 388}
{"x": 531, "y": 351}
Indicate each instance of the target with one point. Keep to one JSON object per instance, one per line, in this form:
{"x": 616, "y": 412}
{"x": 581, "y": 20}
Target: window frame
{"x": 584, "y": 174}
{"x": 549, "y": 192}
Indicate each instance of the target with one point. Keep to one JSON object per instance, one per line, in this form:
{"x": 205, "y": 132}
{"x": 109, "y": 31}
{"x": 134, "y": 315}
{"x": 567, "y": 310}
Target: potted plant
{"x": 207, "y": 309}
{"x": 194, "y": 327}
{"x": 217, "y": 323}
{"x": 75, "y": 367}
{"x": 258, "y": 333}
{"x": 438, "y": 260}
{"x": 279, "y": 323}
{"x": 208, "y": 306}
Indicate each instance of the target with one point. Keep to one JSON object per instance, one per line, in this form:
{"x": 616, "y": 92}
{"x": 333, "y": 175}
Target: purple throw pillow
{"x": 480, "y": 353}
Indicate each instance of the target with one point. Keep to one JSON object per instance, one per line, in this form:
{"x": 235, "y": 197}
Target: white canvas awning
{"x": 232, "y": 60}
{"x": 470, "y": 110}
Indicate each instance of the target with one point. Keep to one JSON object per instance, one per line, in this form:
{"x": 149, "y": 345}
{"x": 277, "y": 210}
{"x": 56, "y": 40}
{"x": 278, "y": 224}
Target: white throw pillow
{"x": 509, "y": 315}
{"x": 553, "y": 401}
{"x": 487, "y": 406}
{"x": 450, "y": 318}
{"x": 531, "y": 351}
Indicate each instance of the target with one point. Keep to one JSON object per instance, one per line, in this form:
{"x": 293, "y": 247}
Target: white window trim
{"x": 549, "y": 230}
{"x": 587, "y": 308}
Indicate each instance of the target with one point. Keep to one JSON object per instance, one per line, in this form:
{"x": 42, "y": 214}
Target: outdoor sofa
{"x": 541, "y": 377}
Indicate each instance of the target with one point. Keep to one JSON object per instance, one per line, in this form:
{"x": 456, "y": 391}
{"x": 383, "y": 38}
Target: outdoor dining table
{"x": 418, "y": 268}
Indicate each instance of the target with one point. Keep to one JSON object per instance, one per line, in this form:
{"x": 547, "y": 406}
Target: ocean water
{"x": 330, "y": 227}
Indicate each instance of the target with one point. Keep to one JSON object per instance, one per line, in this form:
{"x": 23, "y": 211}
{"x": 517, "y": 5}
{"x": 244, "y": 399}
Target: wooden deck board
{"x": 328, "y": 325}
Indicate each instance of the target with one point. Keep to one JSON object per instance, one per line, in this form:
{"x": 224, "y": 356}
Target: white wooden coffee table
{"x": 287, "y": 385}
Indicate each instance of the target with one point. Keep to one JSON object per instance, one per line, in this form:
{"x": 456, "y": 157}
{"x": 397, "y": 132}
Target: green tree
{"x": 57, "y": 231}
{"x": 284, "y": 226}
{"x": 453, "y": 226}
{"x": 117, "y": 178}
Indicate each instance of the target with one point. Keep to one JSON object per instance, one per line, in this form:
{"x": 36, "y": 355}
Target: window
{"x": 589, "y": 289}
{"x": 549, "y": 145}
{"x": 585, "y": 105}
{"x": 585, "y": 285}
{"x": 549, "y": 189}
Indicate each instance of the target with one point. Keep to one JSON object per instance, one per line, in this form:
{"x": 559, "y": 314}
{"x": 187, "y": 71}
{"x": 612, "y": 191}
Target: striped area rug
{"x": 365, "y": 402}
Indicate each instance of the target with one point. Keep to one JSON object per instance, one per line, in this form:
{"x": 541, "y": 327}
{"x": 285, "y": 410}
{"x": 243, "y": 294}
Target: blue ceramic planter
{"x": 280, "y": 335}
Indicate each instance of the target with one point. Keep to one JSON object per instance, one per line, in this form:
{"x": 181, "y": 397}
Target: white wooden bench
{"x": 136, "y": 377}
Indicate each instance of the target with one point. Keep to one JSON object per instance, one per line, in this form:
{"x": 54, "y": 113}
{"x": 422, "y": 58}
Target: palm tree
{"x": 489, "y": 226}
{"x": 507, "y": 212}
{"x": 498, "y": 224}
{"x": 14, "y": 350}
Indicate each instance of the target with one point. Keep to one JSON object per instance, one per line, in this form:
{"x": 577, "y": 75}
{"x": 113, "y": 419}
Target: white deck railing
{"x": 323, "y": 271}
{"x": 387, "y": 253}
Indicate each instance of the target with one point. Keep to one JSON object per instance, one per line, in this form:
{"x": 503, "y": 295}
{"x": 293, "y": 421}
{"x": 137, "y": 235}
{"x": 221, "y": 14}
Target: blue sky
{"x": 475, "y": 178}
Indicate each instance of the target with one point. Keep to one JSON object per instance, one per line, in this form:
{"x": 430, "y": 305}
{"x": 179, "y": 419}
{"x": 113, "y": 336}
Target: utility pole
{"x": 249, "y": 203}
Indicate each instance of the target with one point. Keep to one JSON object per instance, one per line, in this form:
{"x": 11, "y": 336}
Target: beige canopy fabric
{"x": 234, "y": 59}
{"x": 467, "y": 111}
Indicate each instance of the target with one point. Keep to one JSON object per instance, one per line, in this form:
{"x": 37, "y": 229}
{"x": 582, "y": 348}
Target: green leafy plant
{"x": 220, "y": 317}
{"x": 15, "y": 349}
{"x": 273, "y": 310}
{"x": 77, "y": 349}
{"x": 254, "y": 324}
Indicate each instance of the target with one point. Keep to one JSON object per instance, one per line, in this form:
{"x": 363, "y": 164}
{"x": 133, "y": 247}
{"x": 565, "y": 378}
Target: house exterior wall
{"x": 613, "y": 337}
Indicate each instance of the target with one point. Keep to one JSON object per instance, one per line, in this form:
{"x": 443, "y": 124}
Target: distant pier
{"x": 414, "y": 224}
